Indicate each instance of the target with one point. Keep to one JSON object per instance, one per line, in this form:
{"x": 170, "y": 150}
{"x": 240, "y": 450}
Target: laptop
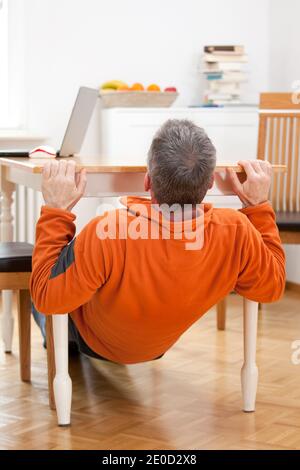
{"x": 77, "y": 127}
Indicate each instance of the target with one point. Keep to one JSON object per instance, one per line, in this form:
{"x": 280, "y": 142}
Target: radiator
{"x": 26, "y": 210}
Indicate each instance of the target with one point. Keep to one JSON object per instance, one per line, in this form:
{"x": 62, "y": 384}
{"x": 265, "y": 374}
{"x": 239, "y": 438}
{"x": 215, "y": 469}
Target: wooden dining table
{"x": 103, "y": 181}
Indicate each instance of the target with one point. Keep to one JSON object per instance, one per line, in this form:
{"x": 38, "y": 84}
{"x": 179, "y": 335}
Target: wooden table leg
{"x": 24, "y": 321}
{"x": 221, "y": 314}
{"x": 249, "y": 373}
{"x": 50, "y": 360}
{"x": 62, "y": 384}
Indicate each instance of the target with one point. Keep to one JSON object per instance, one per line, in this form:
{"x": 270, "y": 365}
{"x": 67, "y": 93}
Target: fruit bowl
{"x": 137, "y": 99}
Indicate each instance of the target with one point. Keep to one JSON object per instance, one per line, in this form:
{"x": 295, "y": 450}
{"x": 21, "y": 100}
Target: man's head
{"x": 181, "y": 162}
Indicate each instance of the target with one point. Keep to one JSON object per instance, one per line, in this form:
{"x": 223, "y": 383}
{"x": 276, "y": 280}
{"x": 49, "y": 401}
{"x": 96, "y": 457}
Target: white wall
{"x": 74, "y": 42}
{"x": 285, "y": 41}
{"x": 68, "y": 43}
{"x": 284, "y": 70}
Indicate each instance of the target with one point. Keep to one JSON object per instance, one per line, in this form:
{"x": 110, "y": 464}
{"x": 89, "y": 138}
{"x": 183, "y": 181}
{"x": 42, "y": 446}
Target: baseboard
{"x": 293, "y": 286}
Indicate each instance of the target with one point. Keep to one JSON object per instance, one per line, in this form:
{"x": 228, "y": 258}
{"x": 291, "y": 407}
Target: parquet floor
{"x": 190, "y": 399}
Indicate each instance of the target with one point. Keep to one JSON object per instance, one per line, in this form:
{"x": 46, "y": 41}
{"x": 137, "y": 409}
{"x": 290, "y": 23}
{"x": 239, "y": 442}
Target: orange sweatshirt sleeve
{"x": 66, "y": 271}
{"x": 262, "y": 274}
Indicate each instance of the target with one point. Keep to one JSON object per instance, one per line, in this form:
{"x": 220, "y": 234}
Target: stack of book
{"x": 224, "y": 74}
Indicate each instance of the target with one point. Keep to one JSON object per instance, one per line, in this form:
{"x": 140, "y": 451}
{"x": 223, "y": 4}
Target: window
{"x": 12, "y": 66}
{"x": 4, "y": 111}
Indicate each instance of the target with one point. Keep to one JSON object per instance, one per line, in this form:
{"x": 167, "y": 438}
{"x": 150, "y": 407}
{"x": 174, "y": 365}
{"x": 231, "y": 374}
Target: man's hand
{"x": 62, "y": 187}
{"x": 255, "y": 190}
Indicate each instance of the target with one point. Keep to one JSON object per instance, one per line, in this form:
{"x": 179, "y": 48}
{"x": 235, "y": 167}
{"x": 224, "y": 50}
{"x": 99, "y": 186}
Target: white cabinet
{"x": 126, "y": 133}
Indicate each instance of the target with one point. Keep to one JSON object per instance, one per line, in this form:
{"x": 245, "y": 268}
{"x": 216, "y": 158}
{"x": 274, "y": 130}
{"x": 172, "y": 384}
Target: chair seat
{"x": 15, "y": 257}
{"x": 288, "y": 221}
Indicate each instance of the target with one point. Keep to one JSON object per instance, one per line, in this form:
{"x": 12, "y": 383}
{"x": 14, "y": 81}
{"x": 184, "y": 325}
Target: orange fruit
{"x": 153, "y": 87}
{"x": 137, "y": 87}
{"x": 123, "y": 88}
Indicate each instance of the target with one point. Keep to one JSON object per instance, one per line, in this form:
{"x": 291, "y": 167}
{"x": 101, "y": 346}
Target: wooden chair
{"x": 15, "y": 269}
{"x": 279, "y": 143}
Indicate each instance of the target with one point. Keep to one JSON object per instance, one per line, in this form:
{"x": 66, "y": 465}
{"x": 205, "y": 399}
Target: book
{"x": 223, "y": 66}
{"x": 213, "y": 75}
{"x": 224, "y": 74}
{"x": 227, "y": 102}
{"x": 231, "y": 88}
{"x": 210, "y": 96}
{"x": 224, "y": 49}
{"x": 225, "y": 58}
{"x": 224, "y": 77}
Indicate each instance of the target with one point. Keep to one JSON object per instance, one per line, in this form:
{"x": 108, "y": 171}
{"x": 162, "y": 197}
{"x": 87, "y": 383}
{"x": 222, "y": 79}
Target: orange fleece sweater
{"x": 132, "y": 299}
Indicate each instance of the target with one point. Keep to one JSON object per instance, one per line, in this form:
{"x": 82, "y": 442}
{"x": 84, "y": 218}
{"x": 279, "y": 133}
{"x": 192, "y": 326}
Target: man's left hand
{"x": 62, "y": 187}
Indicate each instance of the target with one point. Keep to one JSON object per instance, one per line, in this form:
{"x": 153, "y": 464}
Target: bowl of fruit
{"x": 117, "y": 94}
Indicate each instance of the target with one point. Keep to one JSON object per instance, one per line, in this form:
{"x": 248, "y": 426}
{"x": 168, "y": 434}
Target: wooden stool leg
{"x": 24, "y": 320}
{"x": 249, "y": 373}
{"x": 50, "y": 361}
{"x": 62, "y": 383}
{"x": 221, "y": 314}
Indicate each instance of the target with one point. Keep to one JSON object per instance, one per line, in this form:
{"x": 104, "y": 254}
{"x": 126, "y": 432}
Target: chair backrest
{"x": 279, "y": 143}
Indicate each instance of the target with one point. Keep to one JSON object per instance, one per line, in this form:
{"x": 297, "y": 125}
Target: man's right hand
{"x": 255, "y": 190}
{"x": 62, "y": 187}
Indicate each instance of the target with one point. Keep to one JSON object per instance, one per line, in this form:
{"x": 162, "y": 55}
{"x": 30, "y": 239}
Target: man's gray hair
{"x": 181, "y": 161}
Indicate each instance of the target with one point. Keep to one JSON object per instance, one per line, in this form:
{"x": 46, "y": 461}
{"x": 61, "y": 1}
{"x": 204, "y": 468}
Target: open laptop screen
{"x": 79, "y": 121}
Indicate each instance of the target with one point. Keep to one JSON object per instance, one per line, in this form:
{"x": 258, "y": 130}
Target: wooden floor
{"x": 190, "y": 399}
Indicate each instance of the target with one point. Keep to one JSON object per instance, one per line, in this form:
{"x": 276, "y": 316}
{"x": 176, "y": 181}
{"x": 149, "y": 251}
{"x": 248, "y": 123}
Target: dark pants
{"x": 76, "y": 342}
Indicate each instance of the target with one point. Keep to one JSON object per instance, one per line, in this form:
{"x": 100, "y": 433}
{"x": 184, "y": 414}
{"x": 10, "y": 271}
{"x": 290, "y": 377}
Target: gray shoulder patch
{"x": 66, "y": 258}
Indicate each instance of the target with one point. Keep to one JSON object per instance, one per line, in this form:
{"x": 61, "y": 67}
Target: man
{"x": 131, "y": 297}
